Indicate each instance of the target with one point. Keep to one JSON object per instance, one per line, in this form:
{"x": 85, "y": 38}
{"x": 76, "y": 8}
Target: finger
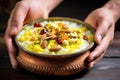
{"x": 103, "y": 46}
{"x": 17, "y": 17}
{"x": 97, "y": 51}
{"x": 45, "y": 15}
{"x": 14, "y": 25}
{"x": 102, "y": 29}
{"x": 36, "y": 11}
{"x": 91, "y": 64}
{"x": 91, "y": 20}
{"x": 11, "y": 51}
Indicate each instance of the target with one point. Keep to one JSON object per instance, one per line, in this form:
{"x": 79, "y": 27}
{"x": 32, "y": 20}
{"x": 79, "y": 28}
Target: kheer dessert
{"x": 54, "y": 37}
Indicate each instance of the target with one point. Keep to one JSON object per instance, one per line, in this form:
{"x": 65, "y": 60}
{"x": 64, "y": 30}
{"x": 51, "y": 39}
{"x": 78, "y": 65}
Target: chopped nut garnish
{"x": 56, "y": 48}
{"x": 65, "y": 26}
{"x": 65, "y": 31}
{"x": 44, "y": 44}
{"x": 43, "y": 37}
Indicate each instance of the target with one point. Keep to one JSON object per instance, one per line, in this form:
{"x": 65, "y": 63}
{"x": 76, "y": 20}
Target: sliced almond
{"x": 65, "y": 26}
{"x": 44, "y": 44}
{"x": 51, "y": 37}
{"x": 54, "y": 31}
{"x": 56, "y": 48}
{"x": 65, "y": 31}
{"x": 43, "y": 37}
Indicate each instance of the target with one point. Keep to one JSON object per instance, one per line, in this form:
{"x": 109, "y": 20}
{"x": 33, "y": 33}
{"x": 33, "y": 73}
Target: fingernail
{"x": 91, "y": 65}
{"x": 100, "y": 37}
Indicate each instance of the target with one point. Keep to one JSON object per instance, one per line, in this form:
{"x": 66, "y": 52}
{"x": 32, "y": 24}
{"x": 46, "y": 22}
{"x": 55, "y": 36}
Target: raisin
{"x": 59, "y": 41}
{"x": 37, "y": 24}
{"x": 43, "y": 32}
{"x": 85, "y": 37}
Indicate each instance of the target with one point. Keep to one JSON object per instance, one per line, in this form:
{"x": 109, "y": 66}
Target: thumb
{"x": 101, "y": 30}
{"x": 45, "y": 14}
{"x": 17, "y": 18}
{"x": 98, "y": 37}
{"x": 15, "y": 24}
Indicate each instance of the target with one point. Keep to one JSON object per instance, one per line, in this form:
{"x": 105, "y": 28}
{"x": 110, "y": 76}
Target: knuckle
{"x": 21, "y": 4}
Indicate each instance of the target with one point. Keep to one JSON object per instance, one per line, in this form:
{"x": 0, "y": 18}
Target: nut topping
{"x": 44, "y": 44}
{"x": 56, "y": 48}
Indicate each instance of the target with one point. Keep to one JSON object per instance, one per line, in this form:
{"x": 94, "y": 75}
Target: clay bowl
{"x": 54, "y": 64}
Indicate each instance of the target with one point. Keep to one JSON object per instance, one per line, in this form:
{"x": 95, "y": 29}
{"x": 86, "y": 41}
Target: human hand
{"x": 103, "y": 21}
{"x": 24, "y": 12}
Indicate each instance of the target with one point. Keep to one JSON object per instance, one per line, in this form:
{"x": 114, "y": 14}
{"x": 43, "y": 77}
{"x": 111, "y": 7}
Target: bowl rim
{"x": 63, "y": 55}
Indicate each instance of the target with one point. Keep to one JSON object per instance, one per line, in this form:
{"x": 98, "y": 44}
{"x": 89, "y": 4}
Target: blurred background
{"x": 78, "y": 9}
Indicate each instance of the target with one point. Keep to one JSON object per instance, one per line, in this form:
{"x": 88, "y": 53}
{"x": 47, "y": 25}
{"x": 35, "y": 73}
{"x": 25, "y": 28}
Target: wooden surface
{"x": 108, "y": 68}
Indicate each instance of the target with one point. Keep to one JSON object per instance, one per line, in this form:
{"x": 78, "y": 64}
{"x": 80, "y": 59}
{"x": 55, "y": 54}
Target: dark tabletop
{"x": 108, "y": 68}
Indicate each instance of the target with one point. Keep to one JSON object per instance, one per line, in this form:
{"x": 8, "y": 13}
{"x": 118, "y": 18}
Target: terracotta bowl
{"x": 54, "y": 64}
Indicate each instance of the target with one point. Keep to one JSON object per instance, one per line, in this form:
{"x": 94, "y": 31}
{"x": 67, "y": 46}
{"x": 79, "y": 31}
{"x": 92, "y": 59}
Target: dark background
{"x": 78, "y": 9}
